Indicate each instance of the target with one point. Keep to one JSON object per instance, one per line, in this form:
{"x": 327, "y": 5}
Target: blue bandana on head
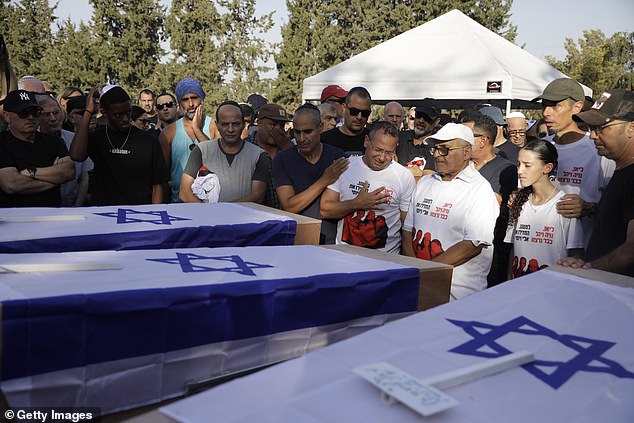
{"x": 189, "y": 86}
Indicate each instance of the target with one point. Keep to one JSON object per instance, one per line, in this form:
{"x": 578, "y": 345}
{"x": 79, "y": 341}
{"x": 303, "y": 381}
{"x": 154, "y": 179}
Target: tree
{"x": 129, "y": 32}
{"x": 72, "y": 59}
{"x": 321, "y": 34}
{"x": 193, "y": 27}
{"x": 597, "y": 61}
{"x": 244, "y": 52}
{"x": 29, "y": 35}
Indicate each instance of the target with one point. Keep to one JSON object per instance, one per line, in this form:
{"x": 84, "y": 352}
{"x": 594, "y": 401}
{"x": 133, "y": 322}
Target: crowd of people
{"x": 496, "y": 196}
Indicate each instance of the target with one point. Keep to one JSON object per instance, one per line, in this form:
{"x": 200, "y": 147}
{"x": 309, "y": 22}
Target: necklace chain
{"x": 534, "y": 206}
{"x": 119, "y": 150}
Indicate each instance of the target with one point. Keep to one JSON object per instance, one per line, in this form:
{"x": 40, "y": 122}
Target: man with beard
{"x": 271, "y": 137}
{"x": 582, "y": 173}
{"x": 350, "y": 136}
{"x": 301, "y": 173}
{"x": 372, "y": 196}
{"x": 179, "y": 138}
{"x": 412, "y": 144}
{"x": 32, "y": 165}
{"x": 129, "y": 165}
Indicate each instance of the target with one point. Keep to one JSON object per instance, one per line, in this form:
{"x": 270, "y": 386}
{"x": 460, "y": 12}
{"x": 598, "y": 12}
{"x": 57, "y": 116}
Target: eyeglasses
{"x": 29, "y": 112}
{"x": 599, "y": 128}
{"x": 518, "y": 133}
{"x": 443, "y": 151}
{"x": 355, "y": 112}
{"x": 388, "y": 154}
{"x": 169, "y": 105}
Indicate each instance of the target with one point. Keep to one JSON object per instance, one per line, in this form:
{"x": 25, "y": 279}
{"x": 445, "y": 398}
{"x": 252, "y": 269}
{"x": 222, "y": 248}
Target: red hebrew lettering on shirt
{"x": 441, "y": 212}
{"x": 572, "y": 176}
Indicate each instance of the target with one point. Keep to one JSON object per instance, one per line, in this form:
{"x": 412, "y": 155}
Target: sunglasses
{"x": 442, "y": 150}
{"x": 355, "y": 112}
{"x": 29, "y": 112}
{"x": 599, "y": 128}
{"x": 162, "y": 106}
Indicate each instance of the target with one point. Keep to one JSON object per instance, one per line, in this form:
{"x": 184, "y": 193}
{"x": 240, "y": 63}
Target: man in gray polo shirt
{"x": 241, "y": 167}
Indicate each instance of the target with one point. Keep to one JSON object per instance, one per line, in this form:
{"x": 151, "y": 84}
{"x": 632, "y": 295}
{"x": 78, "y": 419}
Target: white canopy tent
{"x": 450, "y": 58}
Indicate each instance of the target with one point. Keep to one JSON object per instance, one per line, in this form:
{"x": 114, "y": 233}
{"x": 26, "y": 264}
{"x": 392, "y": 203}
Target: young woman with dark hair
{"x": 540, "y": 236}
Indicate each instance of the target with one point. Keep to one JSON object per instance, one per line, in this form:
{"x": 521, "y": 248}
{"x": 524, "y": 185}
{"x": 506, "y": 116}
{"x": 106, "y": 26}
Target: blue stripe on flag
{"x": 270, "y": 232}
{"x": 48, "y": 334}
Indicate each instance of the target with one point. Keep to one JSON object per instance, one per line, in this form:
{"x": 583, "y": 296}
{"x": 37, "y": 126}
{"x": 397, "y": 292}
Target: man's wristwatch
{"x": 31, "y": 170}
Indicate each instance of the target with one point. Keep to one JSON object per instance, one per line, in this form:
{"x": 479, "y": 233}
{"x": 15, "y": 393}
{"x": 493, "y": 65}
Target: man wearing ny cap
{"x": 412, "y": 144}
{"x": 129, "y": 168}
{"x": 271, "y": 137}
{"x": 336, "y": 96}
{"x": 178, "y": 139}
{"x": 33, "y": 165}
{"x": 350, "y": 136}
{"x": 611, "y": 125}
{"x": 581, "y": 172}
{"x": 452, "y": 214}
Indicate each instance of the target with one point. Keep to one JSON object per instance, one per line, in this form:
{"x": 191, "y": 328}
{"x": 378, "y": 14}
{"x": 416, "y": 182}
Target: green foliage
{"x": 597, "y": 61}
{"x": 320, "y": 34}
{"x": 29, "y": 36}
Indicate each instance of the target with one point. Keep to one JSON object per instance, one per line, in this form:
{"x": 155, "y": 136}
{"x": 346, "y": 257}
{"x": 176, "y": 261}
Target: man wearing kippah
{"x": 178, "y": 139}
{"x": 581, "y": 172}
{"x": 611, "y": 125}
{"x": 129, "y": 168}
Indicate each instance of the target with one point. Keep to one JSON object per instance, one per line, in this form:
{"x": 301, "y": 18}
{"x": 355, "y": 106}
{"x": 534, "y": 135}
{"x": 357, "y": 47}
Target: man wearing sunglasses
{"x": 33, "y": 165}
{"x": 372, "y": 196}
{"x": 179, "y": 138}
{"x": 350, "y": 136}
{"x": 412, "y": 144}
{"x": 581, "y": 172}
{"x": 452, "y": 214}
{"x": 166, "y": 109}
{"x": 611, "y": 125}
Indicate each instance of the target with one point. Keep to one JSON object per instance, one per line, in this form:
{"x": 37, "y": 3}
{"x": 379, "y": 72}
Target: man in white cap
{"x": 517, "y": 127}
{"x": 452, "y": 214}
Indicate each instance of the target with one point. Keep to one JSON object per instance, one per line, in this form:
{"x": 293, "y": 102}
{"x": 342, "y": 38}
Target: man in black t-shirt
{"x": 32, "y": 165}
{"x": 351, "y": 135}
{"x": 129, "y": 165}
{"x": 611, "y": 125}
{"x": 412, "y": 144}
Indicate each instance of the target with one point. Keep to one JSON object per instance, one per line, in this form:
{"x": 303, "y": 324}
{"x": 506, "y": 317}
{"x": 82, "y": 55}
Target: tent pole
{"x": 508, "y": 107}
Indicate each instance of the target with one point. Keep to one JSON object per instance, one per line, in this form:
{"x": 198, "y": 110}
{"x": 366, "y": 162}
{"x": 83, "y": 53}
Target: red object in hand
{"x": 369, "y": 231}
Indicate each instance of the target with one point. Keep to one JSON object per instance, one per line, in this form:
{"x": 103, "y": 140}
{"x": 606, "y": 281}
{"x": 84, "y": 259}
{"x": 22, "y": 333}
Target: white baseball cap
{"x": 452, "y": 131}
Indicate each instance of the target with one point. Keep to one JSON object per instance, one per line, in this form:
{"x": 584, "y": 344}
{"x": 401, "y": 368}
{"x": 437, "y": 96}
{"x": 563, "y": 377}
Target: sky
{"x": 542, "y": 25}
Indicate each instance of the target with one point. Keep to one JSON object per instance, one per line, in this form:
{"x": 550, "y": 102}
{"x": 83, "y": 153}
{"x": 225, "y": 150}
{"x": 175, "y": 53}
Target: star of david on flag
{"x": 588, "y": 357}
{"x": 185, "y": 260}
{"x": 157, "y": 217}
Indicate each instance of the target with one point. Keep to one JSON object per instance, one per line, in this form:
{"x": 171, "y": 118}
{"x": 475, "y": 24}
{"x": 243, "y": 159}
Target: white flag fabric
{"x": 183, "y": 225}
{"x": 118, "y": 339}
{"x": 580, "y": 332}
